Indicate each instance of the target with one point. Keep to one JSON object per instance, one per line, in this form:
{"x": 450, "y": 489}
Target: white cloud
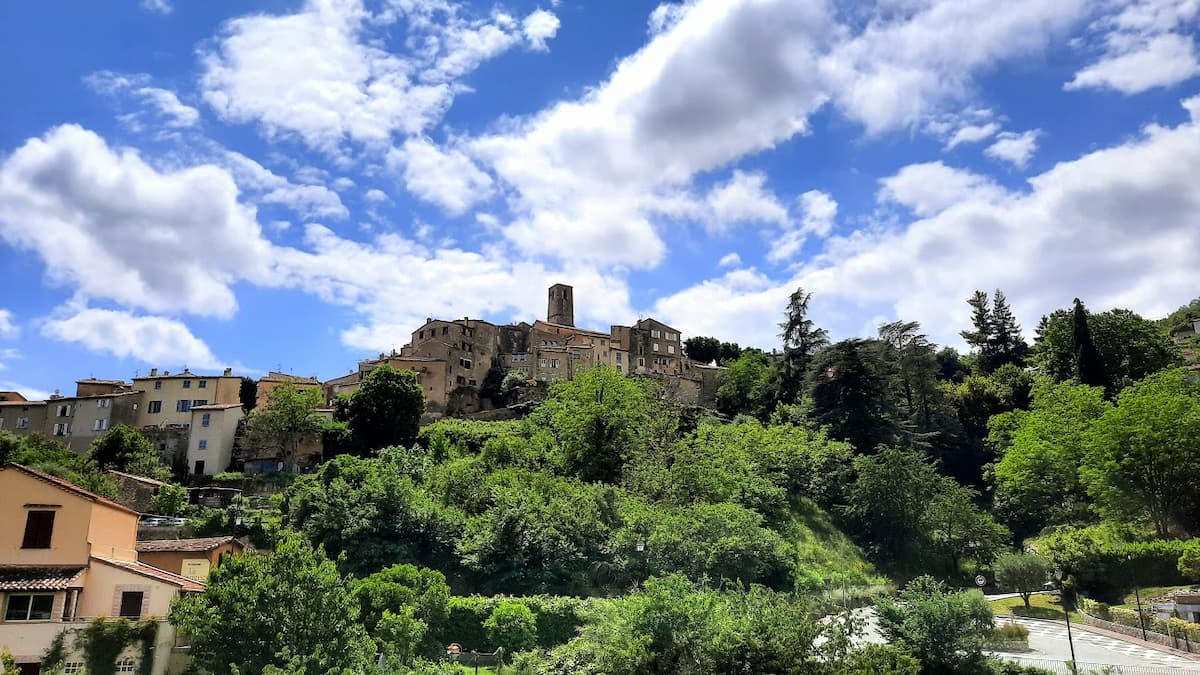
{"x": 930, "y": 188}
{"x": 913, "y": 58}
{"x": 270, "y": 188}
{"x": 342, "y": 184}
{"x": 265, "y": 69}
{"x": 1164, "y": 60}
{"x": 445, "y": 177}
{"x": 1017, "y": 149}
{"x": 818, "y": 211}
{"x": 1119, "y": 227}
{"x": 744, "y": 198}
{"x": 171, "y": 112}
{"x": 8, "y": 328}
{"x": 158, "y": 6}
{"x": 539, "y": 27}
{"x": 150, "y": 339}
{"x": 112, "y": 226}
{"x": 29, "y": 392}
{"x": 376, "y": 196}
{"x": 972, "y": 134}
{"x": 730, "y": 260}
{"x": 1141, "y": 48}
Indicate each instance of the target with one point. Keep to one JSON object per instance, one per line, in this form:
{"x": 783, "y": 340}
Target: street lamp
{"x": 1137, "y": 593}
{"x": 1058, "y": 574}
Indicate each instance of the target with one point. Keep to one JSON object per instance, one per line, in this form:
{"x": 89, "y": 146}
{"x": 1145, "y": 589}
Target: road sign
{"x": 981, "y": 581}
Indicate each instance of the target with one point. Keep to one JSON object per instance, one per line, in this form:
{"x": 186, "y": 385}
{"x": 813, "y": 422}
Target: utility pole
{"x": 1058, "y": 574}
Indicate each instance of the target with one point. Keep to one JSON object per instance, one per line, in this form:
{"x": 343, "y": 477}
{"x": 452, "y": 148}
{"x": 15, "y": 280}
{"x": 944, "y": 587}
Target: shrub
{"x": 512, "y": 626}
{"x": 1011, "y": 632}
{"x": 557, "y": 619}
{"x": 1108, "y": 568}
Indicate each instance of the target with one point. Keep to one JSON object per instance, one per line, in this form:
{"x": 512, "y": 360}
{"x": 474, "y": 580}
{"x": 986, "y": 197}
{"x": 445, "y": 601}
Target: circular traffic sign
{"x": 981, "y": 581}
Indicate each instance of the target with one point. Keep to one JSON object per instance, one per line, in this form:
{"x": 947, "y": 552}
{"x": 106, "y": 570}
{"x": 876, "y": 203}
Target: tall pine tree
{"x": 1089, "y": 366}
{"x": 1005, "y": 340}
{"x": 801, "y": 340}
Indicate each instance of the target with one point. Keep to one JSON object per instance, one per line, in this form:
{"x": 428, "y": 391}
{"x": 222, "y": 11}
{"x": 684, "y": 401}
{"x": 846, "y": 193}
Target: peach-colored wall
{"x": 113, "y": 532}
{"x": 105, "y": 583}
{"x": 69, "y": 540}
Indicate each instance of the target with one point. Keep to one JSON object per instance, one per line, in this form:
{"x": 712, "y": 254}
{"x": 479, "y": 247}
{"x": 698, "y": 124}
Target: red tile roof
{"x": 21, "y": 578}
{"x": 67, "y": 486}
{"x": 184, "y": 583}
{"x": 184, "y": 545}
{"x": 136, "y": 478}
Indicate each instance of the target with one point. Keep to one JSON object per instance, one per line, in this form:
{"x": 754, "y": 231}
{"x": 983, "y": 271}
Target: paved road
{"x": 1048, "y": 640}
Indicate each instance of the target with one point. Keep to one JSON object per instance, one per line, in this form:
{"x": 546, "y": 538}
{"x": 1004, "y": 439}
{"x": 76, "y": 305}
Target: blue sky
{"x": 297, "y": 185}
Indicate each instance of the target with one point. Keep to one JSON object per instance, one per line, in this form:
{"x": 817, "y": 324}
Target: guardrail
{"x": 1175, "y": 641}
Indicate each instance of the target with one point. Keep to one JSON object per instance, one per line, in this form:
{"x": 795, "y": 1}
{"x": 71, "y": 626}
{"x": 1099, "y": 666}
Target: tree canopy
{"x": 385, "y": 411}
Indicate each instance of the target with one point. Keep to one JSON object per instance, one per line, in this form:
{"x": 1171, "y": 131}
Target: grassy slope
{"x": 826, "y": 549}
{"x": 1043, "y": 607}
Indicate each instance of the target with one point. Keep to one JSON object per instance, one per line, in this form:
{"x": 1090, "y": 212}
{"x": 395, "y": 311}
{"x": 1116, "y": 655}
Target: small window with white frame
{"x": 100, "y": 425}
{"x": 22, "y": 422}
{"x": 670, "y": 349}
{"x": 124, "y": 666}
{"x": 103, "y": 402}
{"x": 654, "y": 334}
{"x": 72, "y": 667}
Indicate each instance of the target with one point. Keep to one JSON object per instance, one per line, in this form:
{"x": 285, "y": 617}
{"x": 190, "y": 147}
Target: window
{"x": 199, "y": 402}
{"x": 22, "y": 422}
{"x": 61, "y": 429}
{"x": 183, "y": 405}
{"x": 641, "y": 361}
{"x": 553, "y": 363}
{"x": 203, "y": 384}
{"x": 154, "y": 407}
{"x": 670, "y": 349}
{"x": 73, "y": 667}
{"x": 575, "y": 356}
{"x": 103, "y": 403}
{"x": 39, "y": 526}
{"x": 64, "y": 411}
{"x": 29, "y": 607}
{"x": 199, "y": 469}
{"x": 131, "y": 605}
{"x": 100, "y": 425}
{"x": 445, "y": 330}
{"x": 465, "y": 363}
{"x": 203, "y": 443}
{"x": 205, "y": 419}
{"x": 542, "y": 363}
{"x": 158, "y": 384}
{"x": 654, "y": 334}
{"x": 671, "y": 336}
{"x": 655, "y": 346}
{"x": 421, "y": 335}
{"x": 471, "y": 382}
{"x": 187, "y": 384}
{"x": 124, "y": 666}
{"x": 618, "y": 357}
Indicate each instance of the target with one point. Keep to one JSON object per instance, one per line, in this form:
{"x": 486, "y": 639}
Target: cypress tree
{"x": 1089, "y": 366}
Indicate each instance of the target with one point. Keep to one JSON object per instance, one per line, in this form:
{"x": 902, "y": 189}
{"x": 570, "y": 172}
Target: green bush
{"x": 558, "y": 619}
{"x": 1011, "y": 632}
{"x": 1108, "y": 568}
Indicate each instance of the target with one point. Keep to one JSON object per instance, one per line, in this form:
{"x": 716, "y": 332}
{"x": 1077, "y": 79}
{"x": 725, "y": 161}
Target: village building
{"x": 70, "y": 558}
{"x": 192, "y": 558}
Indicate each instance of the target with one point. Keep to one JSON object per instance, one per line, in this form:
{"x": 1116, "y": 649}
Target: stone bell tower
{"x": 561, "y": 308}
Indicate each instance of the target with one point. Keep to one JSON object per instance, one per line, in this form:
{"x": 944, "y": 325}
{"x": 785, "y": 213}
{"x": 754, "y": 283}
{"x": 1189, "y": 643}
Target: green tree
{"x": 888, "y": 502}
{"x": 1022, "y": 572}
{"x": 1189, "y": 561}
{"x": 945, "y": 630}
{"x": 287, "y": 424}
{"x": 874, "y": 659}
{"x": 957, "y": 527}
{"x": 747, "y": 387}
{"x": 1181, "y": 318}
{"x": 703, "y": 349}
{"x": 1130, "y": 346}
{"x": 493, "y": 383}
{"x": 287, "y": 608}
{"x": 511, "y": 625}
{"x": 1036, "y": 478}
{"x": 995, "y": 337}
{"x": 851, "y": 395}
{"x": 170, "y": 500}
{"x": 49, "y": 456}
{"x": 596, "y": 421}
{"x": 372, "y": 511}
{"x": 1143, "y": 455}
{"x": 422, "y": 590}
{"x": 123, "y": 448}
{"x": 801, "y": 342}
{"x": 1089, "y": 366}
{"x": 248, "y": 394}
{"x": 385, "y": 411}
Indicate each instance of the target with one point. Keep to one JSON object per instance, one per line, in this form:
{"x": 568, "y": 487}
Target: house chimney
{"x": 153, "y": 372}
{"x": 561, "y": 306}
{"x": 166, "y": 373}
{"x": 228, "y": 372}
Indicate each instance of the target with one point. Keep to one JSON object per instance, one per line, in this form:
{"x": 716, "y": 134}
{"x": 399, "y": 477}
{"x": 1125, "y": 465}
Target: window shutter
{"x": 39, "y": 527}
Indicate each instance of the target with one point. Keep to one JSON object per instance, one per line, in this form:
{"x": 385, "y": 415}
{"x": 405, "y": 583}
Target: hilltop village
{"x": 198, "y": 418}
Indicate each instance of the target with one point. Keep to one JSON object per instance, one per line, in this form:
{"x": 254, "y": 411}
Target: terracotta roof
{"x": 68, "y": 486}
{"x": 285, "y": 377}
{"x": 184, "y": 545}
{"x": 140, "y": 479}
{"x": 20, "y": 578}
{"x": 23, "y": 403}
{"x": 184, "y": 583}
{"x": 19, "y": 395}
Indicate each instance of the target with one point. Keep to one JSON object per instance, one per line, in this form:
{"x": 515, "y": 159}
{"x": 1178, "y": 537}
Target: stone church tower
{"x": 561, "y": 308}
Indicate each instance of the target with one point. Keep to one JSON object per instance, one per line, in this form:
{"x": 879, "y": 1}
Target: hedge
{"x": 1129, "y": 617}
{"x": 558, "y": 619}
{"x": 1107, "y": 570}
